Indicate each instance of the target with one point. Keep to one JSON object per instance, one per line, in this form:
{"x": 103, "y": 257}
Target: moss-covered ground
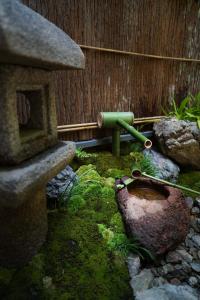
{"x": 84, "y": 256}
{"x": 77, "y": 262}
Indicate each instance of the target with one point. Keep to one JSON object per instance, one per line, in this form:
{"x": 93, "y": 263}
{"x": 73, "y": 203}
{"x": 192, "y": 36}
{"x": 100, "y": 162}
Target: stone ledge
{"x": 17, "y": 182}
{"x": 29, "y": 39}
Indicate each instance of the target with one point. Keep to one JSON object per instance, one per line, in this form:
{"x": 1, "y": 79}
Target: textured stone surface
{"x": 23, "y": 229}
{"x": 179, "y": 140}
{"x": 23, "y": 212}
{"x": 61, "y": 183}
{"x": 179, "y": 266}
{"x": 166, "y": 169}
{"x": 19, "y": 181}
{"x": 142, "y": 281}
{"x": 169, "y": 292}
{"x": 160, "y": 225}
{"x": 41, "y": 130}
{"x": 133, "y": 262}
{"x": 29, "y": 39}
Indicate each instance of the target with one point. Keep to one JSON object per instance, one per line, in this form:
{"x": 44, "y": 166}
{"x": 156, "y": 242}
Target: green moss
{"x": 110, "y": 182}
{"x": 75, "y": 203}
{"x": 116, "y": 223}
{"x": 75, "y": 255}
{"x": 117, "y": 173}
{"x": 190, "y": 179}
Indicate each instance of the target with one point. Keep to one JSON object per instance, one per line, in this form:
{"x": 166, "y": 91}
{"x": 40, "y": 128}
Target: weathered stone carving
{"x": 30, "y": 154}
{"x": 28, "y": 39}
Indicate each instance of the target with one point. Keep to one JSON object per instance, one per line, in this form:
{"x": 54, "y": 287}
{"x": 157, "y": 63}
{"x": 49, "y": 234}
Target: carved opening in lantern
{"x": 30, "y": 110}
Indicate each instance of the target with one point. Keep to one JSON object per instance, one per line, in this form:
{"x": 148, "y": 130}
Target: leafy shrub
{"x": 189, "y": 109}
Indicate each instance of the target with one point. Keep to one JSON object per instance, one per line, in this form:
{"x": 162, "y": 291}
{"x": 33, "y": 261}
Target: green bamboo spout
{"x": 136, "y": 173}
{"x": 140, "y": 137}
{"x": 117, "y": 120}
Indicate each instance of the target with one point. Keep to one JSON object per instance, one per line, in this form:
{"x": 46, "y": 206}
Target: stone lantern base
{"x": 23, "y": 212}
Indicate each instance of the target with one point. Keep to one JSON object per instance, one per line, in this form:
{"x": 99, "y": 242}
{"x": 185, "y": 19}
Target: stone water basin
{"x": 154, "y": 213}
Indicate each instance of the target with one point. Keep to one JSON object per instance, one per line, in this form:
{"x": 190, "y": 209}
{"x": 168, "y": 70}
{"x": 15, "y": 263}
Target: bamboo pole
{"x": 77, "y": 125}
{"x": 116, "y": 142}
{"x": 161, "y": 57}
{"x": 135, "y": 133}
{"x": 94, "y": 125}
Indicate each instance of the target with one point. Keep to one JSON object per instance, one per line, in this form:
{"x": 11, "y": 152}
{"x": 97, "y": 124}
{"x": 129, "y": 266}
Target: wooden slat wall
{"x": 116, "y": 82}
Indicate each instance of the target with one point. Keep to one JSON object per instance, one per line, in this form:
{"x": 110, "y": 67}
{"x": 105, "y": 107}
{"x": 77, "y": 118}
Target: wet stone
{"x": 184, "y": 255}
{"x": 193, "y": 281}
{"x": 189, "y": 201}
{"x": 175, "y": 281}
{"x": 159, "y": 281}
{"x": 195, "y": 211}
{"x": 133, "y": 262}
{"x": 142, "y": 281}
{"x": 196, "y": 267}
{"x": 196, "y": 240}
{"x": 173, "y": 257}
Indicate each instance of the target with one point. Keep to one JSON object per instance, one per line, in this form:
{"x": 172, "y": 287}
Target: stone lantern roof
{"x": 28, "y": 39}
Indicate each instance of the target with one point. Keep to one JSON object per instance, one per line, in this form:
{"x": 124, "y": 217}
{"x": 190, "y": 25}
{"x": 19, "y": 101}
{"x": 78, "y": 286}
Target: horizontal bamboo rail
{"x": 182, "y": 59}
{"x": 94, "y": 125}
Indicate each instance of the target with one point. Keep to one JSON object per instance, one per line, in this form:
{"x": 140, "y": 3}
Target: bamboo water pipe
{"x": 136, "y": 173}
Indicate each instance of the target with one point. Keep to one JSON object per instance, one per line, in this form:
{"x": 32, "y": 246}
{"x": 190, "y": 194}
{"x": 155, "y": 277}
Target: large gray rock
{"x": 166, "y": 168}
{"x": 26, "y": 38}
{"x": 168, "y": 292}
{"x": 180, "y": 140}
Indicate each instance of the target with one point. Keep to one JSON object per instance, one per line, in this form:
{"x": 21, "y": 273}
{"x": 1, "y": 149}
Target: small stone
{"x": 198, "y": 253}
{"x": 173, "y": 257}
{"x": 194, "y": 223}
{"x": 195, "y": 267}
{"x": 189, "y": 201}
{"x": 196, "y": 239}
{"x": 133, "y": 262}
{"x": 163, "y": 262}
{"x": 159, "y": 281}
{"x": 195, "y": 211}
{"x": 168, "y": 268}
{"x": 184, "y": 255}
{"x": 169, "y": 292}
{"x": 155, "y": 271}
{"x": 142, "y": 281}
{"x": 175, "y": 281}
{"x": 186, "y": 267}
{"x": 193, "y": 281}
{"x": 197, "y": 202}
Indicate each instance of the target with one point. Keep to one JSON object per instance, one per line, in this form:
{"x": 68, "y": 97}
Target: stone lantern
{"x": 30, "y": 49}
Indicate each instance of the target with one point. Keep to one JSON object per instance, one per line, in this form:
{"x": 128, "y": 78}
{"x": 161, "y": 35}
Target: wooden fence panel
{"x": 115, "y": 82}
